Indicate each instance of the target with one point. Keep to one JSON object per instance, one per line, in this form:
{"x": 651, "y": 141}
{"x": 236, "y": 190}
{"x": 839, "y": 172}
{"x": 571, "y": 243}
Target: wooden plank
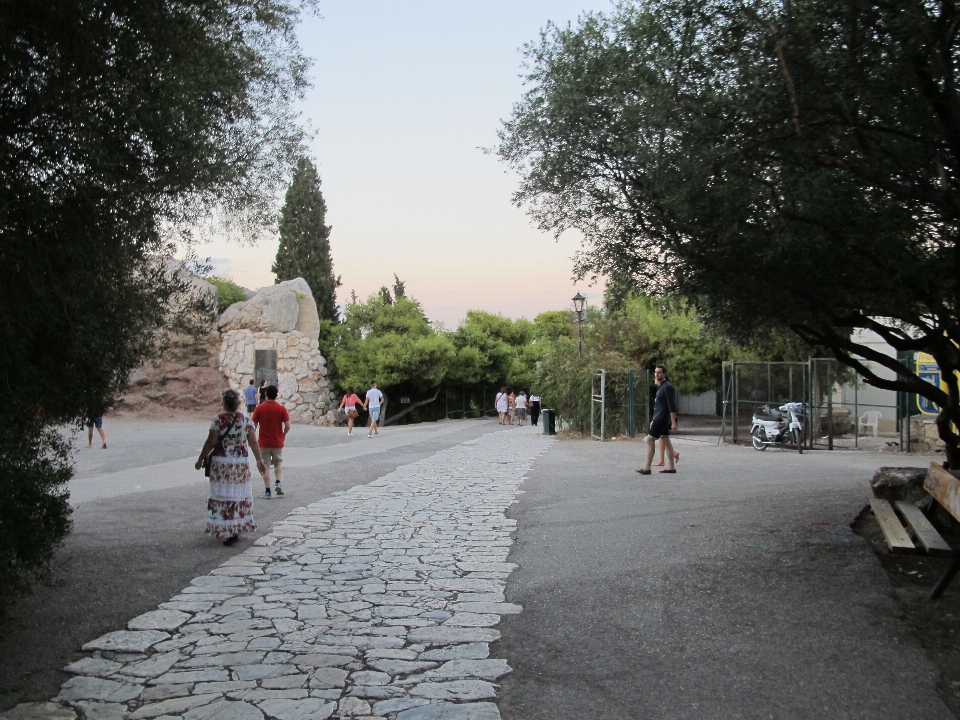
{"x": 944, "y": 488}
{"x": 897, "y": 539}
{"x": 926, "y": 534}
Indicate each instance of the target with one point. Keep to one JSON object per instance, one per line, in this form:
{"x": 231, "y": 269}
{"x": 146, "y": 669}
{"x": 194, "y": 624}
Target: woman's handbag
{"x": 209, "y": 458}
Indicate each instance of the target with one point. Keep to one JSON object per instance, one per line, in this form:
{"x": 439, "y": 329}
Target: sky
{"x": 406, "y": 95}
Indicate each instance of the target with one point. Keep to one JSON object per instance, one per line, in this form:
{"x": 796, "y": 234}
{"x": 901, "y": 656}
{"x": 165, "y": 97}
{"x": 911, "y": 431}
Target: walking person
{"x": 374, "y": 400}
{"x": 231, "y": 438}
{"x": 263, "y": 391}
{"x": 349, "y": 407}
{"x": 273, "y": 421}
{"x": 534, "y": 406}
{"x": 664, "y": 420}
{"x": 511, "y": 406}
{"x": 520, "y": 405}
{"x": 250, "y": 395}
{"x": 95, "y": 421}
{"x": 501, "y": 404}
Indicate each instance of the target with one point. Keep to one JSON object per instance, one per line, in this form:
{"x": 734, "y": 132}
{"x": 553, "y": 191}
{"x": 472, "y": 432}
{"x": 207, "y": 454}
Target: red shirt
{"x": 271, "y": 416}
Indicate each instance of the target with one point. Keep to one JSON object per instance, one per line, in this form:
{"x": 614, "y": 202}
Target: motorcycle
{"x": 778, "y": 427}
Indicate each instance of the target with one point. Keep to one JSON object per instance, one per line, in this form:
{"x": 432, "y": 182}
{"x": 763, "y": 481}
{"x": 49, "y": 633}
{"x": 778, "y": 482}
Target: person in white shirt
{"x": 501, "y": 404}
{"x": 373, "y": 401}
{"x": 533, "y": 404}
{"x": 521, "y": 408}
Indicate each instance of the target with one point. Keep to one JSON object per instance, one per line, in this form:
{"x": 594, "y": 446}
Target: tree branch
{"x": 415, "y": 405}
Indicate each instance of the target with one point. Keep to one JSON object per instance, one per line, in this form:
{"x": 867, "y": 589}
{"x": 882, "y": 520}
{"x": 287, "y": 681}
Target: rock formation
{"x": 282, "y": 318}
{"x": 191, "y": 374}
{"x": 283, "y": 308}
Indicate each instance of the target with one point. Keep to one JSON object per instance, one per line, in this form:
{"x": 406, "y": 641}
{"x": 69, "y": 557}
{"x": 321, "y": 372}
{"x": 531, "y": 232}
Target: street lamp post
{"x": 579, "y": 302}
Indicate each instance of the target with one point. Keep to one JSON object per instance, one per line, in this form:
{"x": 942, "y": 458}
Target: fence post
{"x": 830, "y": 405}
{"x": 603, "y": 402}
{"x": 856, "y": 409}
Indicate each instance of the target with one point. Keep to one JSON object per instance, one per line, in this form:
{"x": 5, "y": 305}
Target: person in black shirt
{"x": 664, "y": 420}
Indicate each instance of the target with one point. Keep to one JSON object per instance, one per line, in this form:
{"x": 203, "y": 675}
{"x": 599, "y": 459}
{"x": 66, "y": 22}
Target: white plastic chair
{"x": 870, "y": 419}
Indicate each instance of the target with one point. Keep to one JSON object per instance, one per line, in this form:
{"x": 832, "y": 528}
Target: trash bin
{"x": 549, "y": 418}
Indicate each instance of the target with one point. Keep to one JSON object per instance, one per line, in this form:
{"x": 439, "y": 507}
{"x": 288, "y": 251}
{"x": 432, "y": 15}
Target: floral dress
{"x": 230, "y": 505}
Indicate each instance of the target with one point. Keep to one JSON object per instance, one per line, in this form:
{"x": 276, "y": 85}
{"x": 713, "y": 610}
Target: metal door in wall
{"x": 265, "y": 366}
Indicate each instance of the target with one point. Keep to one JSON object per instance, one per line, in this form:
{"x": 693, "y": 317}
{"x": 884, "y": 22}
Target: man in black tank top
{"x": 664, "y": 420}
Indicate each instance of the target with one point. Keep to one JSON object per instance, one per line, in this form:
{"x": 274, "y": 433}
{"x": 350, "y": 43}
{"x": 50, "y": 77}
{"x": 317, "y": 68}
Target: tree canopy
{"x": 304, "y": 249}
{"x": 392, "y": 343}
{"x": 784, "y": 165}
{"x": 123, "y": 127}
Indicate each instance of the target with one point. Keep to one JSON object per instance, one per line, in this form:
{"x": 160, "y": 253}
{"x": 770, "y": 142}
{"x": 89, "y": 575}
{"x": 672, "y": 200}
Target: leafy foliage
{"x": 305, "y": 240}
{"x": 393, "y": 344}
{"x": 788, "y": 166}
{"x": 490, "y": 350}
{"x": 641, "y": 333}
{"x": 37, "y": 514}
{"x": 123, "y": 126}
{"x": 228, "y": 292}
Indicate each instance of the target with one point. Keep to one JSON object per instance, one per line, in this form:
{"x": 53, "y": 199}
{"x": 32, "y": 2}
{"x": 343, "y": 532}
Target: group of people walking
{"x": 234, "y": 435}
{"x": 261, "y": 431}
{"x": 514, "y": 406}
{"x": 232, "y": 438}
{"x": 373, "y": 402}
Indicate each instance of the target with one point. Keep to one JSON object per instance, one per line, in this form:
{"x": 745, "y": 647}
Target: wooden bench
{"x": 916, "y": 530}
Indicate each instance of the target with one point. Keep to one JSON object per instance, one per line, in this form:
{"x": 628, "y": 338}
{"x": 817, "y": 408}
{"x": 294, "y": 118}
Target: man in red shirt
{"x": 273, "y": 421}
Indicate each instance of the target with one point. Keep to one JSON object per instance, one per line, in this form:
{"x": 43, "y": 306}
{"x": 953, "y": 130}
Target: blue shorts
{"x": 375, "y": 414}
{"x": 95, "y": 422}
{"x": 250, "y": 408}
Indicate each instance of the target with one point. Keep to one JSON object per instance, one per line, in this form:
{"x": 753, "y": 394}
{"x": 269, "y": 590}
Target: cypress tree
{"x": 305, "y": 240}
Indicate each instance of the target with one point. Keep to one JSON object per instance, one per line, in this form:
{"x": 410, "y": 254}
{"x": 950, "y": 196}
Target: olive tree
{"x": 124, "y": 128}
{"x": 790, "y": 165}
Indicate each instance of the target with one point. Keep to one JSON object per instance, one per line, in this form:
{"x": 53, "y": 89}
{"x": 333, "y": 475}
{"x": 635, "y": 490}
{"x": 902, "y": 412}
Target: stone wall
{"x": 301, "y": 371}
{"x": 924, "y": 436}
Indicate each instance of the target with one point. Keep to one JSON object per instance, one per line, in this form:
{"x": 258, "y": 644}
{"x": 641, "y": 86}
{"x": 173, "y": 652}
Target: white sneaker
{"x": 369, "y": 435}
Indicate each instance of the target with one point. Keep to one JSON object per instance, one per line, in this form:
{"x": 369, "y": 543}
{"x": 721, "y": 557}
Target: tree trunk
{"x": 409, "y": 409}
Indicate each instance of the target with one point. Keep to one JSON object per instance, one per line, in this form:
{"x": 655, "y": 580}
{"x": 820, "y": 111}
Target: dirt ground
{"x": 912, "y": 578}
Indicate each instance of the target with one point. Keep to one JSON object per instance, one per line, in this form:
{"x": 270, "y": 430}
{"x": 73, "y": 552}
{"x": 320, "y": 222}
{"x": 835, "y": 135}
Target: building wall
{"x": 702, "y": 404}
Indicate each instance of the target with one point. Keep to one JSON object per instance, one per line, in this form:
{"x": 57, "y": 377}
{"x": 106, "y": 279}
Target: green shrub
{"x": 35, "y": 467}
{"x": 228, "y": 292}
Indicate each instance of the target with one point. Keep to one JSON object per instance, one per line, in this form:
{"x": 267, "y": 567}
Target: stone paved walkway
{"x": 380, "y": 601}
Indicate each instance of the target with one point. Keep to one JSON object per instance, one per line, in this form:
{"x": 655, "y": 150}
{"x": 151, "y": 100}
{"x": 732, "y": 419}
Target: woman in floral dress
{"x": 230, "y": 505}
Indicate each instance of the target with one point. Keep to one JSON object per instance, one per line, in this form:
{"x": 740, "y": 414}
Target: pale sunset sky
{"x": 405, "y": 96}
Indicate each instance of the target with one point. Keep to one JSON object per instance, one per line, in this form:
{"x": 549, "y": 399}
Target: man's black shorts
{"x": 659, "y": 428}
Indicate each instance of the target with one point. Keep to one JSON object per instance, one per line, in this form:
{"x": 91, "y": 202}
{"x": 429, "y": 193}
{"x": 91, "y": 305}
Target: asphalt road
{"x": 733, "y": 589}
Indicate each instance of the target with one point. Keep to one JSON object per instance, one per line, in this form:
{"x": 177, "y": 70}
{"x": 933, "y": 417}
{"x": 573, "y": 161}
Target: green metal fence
{"x": 624, "y": 404}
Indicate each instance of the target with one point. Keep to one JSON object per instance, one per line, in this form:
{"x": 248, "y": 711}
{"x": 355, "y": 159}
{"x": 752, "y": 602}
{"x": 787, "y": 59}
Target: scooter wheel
{"x": 758, "y": 443}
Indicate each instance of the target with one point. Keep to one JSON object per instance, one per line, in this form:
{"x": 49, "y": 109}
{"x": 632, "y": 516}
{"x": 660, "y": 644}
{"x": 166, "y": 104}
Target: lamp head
{"x": 579, "y": 301}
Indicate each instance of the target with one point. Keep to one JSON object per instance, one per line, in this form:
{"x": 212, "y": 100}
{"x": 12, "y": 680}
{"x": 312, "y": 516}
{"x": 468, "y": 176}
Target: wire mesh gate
{"x": 619, "y": 403}
{"x": 749, "y": 386}
{"x": 834, "y": 411}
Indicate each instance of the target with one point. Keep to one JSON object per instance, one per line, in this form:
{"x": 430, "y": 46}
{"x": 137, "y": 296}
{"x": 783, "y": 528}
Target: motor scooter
{"x": 778, "y": 427}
